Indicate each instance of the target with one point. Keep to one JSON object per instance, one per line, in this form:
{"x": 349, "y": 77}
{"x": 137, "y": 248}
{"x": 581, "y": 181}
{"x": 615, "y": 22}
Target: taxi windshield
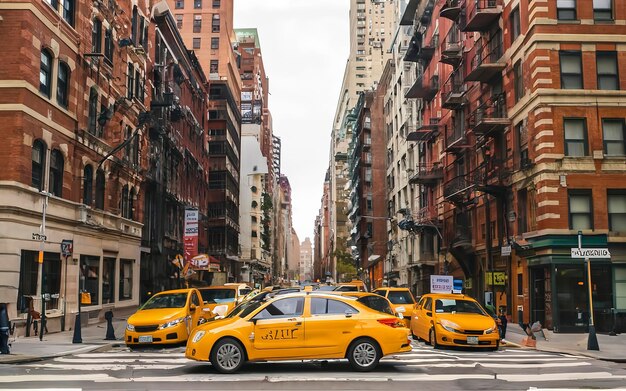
{"x": 453, "y": 306}
{"x": 167, "y": 300}
{"x": 400, "y": 297}
{"x": 212, "y": 296}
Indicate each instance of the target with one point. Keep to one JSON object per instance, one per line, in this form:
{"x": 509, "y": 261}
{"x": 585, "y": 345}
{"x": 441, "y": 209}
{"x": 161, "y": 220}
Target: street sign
{"x": 499, "y": 278}
{"x": 67, "y": 247}
{"x": 505, "y": 251}
{"x": 37, "y": 236}
{"x": 591, "y": 253}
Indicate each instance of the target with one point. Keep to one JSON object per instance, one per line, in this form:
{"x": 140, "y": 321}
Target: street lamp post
{"x": 40, "y": 281}
{"x": 592, "y": 340}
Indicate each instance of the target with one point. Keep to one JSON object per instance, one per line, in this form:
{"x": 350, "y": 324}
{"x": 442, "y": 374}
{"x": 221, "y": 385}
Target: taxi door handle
{"x": 298, "y": 323}
{"x": 291, "y": 320}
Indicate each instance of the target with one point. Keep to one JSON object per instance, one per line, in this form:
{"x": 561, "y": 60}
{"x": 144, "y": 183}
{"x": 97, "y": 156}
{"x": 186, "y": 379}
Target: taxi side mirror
{"x": 399, "y": 315}
{"x": 348, "y": 314}
{"x": 192, "y": 308}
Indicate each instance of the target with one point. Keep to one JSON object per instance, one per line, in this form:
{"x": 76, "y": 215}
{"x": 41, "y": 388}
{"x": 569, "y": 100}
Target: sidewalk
{"x": 612, "y": 348}
{"x": 27, "y": 349}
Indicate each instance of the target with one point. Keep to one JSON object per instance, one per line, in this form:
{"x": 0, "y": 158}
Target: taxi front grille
{"x": 146, "y": 329}
{"x": 472, "y": 332}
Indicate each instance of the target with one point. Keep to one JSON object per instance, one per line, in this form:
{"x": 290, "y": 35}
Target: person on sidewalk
{"x": 503, "y": 323}
{"x": 5, "y": 328}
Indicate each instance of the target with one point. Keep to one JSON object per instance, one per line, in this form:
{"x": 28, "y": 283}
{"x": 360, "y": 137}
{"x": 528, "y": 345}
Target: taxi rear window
{"x": 376, "y": 303}
{"x": 213, "y": 296}
{"x": 399, "y": 297}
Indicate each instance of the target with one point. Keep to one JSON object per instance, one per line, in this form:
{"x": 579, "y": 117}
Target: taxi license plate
{"x": 472, "y": 340}
{"x": 145, "y": 338}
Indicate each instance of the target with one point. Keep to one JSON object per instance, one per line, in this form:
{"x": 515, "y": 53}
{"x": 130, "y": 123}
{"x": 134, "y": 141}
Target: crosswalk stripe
{"x": 87, "y": 360}
{"x": 559, "y": 376}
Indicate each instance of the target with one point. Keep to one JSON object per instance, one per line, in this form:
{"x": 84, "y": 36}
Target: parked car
{"x": 453, "y": 320}
{"x": 299, "y": 326}
{"x": 166, "y": 318}
{"x": 402, "y": 301}
{"x": 220, "y": 299}
{"x": 242, "y": 289}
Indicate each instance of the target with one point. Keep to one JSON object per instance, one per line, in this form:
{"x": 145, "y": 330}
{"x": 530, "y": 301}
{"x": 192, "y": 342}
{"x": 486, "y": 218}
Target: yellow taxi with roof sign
{"x": 299, "y": 326}
{"x": 402, "y": 300}
{"x": 453, "y": 320}
{"x": 166, "y": 318}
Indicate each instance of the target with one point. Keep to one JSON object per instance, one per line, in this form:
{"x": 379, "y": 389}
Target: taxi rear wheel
{"x": 227, "y": 356}
{"x": 364, "y": 355}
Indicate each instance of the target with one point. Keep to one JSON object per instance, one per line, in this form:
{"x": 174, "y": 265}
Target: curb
{"x": 23, "y": 359}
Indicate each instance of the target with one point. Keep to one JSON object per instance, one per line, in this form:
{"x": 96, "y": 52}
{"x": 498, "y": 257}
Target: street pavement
{"x": 25, "y": 349}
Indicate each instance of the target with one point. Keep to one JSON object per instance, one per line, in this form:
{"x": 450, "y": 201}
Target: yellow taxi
{"x": 351, "y": 286}
{"x": 402, "y": 300}
{"x": 453, "y": 320}
{"x": 299, "y": 326}
{"x": 166, "y": 318}
{"x": 242, "y": 290}
{"x": 220, "y": 299}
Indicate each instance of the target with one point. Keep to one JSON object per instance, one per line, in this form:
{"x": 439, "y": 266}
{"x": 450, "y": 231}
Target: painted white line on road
{"x": 558, "y": 376}
{"x": 141, "y": 360}
{"x": 546, "y": 365}
{"x": 129, "y": 355}
{"x": 50, "y": 377}
{"x": 104, "y": 367}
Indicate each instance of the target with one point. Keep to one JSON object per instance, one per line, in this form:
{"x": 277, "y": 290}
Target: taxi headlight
{"x": 130, "y": 327}
{"x": 198, "y": 336}
{"x": 449, "y": 326}
{"x": 171, "y": 323}
{"x": 491, "y": 330}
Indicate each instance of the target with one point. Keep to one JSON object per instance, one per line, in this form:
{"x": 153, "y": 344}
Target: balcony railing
{"x": 451, "y": 51}
{"x": 427, "y": 173}
{"x": 480, "y": 15}
{"x": 492, "y": 176}
{"x": 486, "y": 63}
{"x": 453, "y": 93}
{"x": 450, "y": 9}
{"x": 424, "y": 88}
{"x": 424, "y": 132}
{"x": 427, "y": 51}
{"x": 427, "y": 214}
{"x": 490, "y": 117}
{"x": 456, "y": 140}
{"x": 457, "y": 189}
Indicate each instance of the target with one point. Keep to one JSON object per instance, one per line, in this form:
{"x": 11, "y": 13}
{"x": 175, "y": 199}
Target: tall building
{"x": 306, "y": 260}
{"x": 370, "y": 35}
{"x": 522, "y": 101}
{"x": 207, "y": 28}
{"x": 71, "y": 187}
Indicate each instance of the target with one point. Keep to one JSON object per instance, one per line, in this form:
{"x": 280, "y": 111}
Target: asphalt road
{"x": 423, "y": 369}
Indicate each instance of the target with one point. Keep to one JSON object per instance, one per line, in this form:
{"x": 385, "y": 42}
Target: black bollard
{"x": 5, "y": 327}
{"x": 77, "y": 334}
{"x": 110, "y": 331}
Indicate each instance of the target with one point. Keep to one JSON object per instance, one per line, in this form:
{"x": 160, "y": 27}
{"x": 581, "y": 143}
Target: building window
{"x": 124, "y": 201}
{"x": 38, "y": 157}
{"x": 213, "y": 66}
{"x": 617, "y": 210}
{"x": 197, "y": 23}
{"x": 87, "y": 184}
{"x": 179, "y": 4}
{"x": 571, "y": 70}
{"x": 514, "y": 22}
{"x": 519, "y": 80}
{"x": 216, "y": 3}
{"x": 602, "y": 9}
{"x": 566, "y": 9}
{"x": 108, "y": 280}
{"x": 93, "y": 110}
{"x": 254, "y": 234}
{"x": 196, "y": 43}
{"x": 45, "y": 72}
{"x": 68, "y": 12}
{"x": 215, "y": 23}
{"x": 90, "y": 277}
{"x": 56, "y": 173}
{"x": 580, "y": 210}
{"x": 130, "y": 81}
{"x": 131, "y": 203}
{"x": 575, "y": 131}
{"x": 179, "y": 21}
{"x": 100, "y": 184}
{"x": 215, "y": 43}
{"x": 108, "y": 45}
{"x": 63, "y": 84}
{"x": 197, "y": 4}
{"x": 96, "y": 36}
{"x": 28, "y": 277}
{"x": 613, "y": 133}
{"x": 126, "y": 279}
{"x": 606, "y": 63}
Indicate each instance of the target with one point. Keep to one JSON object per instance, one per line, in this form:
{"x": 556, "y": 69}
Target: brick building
{"x": 523, "y": 110}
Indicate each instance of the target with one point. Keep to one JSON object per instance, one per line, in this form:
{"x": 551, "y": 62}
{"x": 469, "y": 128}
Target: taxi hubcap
{"x": 364, "y": 354}
{"x": 228, "y": 356}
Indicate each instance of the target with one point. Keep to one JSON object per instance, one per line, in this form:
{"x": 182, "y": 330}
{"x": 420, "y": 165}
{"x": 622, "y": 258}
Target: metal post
{"x": 40, "y": 293}
{"x": 77, "y": 337}
{"x": 488, "y": 240}
{"x": 592, "y": 341}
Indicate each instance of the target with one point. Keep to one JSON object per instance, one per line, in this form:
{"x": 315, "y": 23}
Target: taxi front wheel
{"x": 363, "y": 355}
{"x": 227, "y": 356}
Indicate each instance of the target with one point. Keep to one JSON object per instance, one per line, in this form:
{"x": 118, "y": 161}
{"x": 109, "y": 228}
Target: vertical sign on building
{"x": 190, "y": 238}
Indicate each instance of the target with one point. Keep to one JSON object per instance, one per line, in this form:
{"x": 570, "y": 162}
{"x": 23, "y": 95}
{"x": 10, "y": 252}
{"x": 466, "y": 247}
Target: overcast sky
{"x": 305, "y": 47}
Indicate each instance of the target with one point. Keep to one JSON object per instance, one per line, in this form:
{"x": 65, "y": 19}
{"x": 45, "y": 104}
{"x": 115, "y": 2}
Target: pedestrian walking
{"x": 5, "y": 328}
{"x": 503, "y": 323}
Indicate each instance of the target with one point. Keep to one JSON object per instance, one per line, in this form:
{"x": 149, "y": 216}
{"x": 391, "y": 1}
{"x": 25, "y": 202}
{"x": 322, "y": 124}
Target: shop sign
{"x": 499, "y": 278}
{"x": 441, "y": 284}
{"x": 590, "y": 253}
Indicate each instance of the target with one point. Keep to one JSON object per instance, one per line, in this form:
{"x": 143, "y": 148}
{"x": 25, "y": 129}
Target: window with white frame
{"x": 571, "y": 70}
{"x": 566, "y": 9}
{"x": 575, "y": 133}
{"x": 580, "y": 209}
{"x": 603, "y": 9}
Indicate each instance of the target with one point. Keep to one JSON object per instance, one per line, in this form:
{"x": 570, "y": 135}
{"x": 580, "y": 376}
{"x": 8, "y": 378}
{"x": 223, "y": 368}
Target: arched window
{"x": 63, "y": 84}
{"x": 100, "y": 189}
{"x": 45, "y": 73}
{"x": 56, "y": 173}
{"x": 38, "y": 163}
{"x": 93, "y": 110}
{"x": 87, "y": 184}
{"x": 131, "y": 204}
{"x": 124, "y": 201}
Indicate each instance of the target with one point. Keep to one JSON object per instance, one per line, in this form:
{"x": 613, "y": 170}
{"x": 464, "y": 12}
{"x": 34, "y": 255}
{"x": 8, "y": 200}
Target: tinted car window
{"x": 171, "y": 300}
{"x": 400, "y": 297}
{"x": 379, "y": 304}
{"x": 194, "y": 299}
{"x": 458, "y": 306}
{"x": 329, "y": 306}
{"x": 213, "y": 296}
{"x": 381, "y": 293}
{"x": 429, "y": 304}
{"x": 347, "y": 288}
{"x": 280, "y": 308}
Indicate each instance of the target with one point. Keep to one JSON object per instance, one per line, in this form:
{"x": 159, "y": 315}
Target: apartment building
{"x": 522, "y": 103}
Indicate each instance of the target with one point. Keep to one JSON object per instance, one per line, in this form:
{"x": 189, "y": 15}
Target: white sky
{"x": 305, "y": 47}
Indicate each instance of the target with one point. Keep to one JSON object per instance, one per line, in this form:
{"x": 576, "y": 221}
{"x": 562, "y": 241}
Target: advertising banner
{"x": 441, "y": 284}
{"x": 190, "y": 238}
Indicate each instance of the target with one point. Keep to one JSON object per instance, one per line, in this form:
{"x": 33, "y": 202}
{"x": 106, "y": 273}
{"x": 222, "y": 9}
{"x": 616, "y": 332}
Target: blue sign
{"x": 457, "y": 286}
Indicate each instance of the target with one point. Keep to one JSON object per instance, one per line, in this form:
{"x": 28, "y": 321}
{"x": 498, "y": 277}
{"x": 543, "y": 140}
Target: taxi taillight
{"x": 391, "y": 322}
